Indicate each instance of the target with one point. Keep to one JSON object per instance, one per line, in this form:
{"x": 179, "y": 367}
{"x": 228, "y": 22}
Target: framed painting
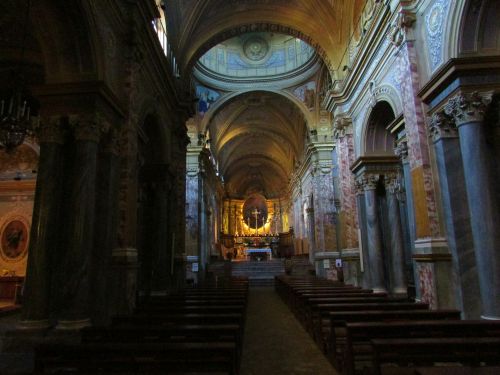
{"x": 14, "y": 238}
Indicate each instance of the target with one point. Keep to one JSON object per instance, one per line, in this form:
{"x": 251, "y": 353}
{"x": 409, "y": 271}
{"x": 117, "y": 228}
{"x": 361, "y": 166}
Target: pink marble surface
{"x": 418, "y": 143}
{"x": 348, "y": 206}
{"x": 427, "y": 287}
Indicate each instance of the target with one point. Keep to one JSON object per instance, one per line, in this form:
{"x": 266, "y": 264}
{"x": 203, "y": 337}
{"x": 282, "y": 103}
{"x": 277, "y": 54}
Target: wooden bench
{"x": 172, "y": 319}
{"x": 311, "y": 306}
{"x": 175, "y": 333}
{"x": 183, "y": 308}
{"x": 124, "y": 358}
{"x": 322, "y": 317}
{"x": 334, "y": 335}
{"x": 358, "y": 352}
{"x": 410, "y": 353}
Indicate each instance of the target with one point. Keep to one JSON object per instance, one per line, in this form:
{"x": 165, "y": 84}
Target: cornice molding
{"x": 277, "y": 82}
{"x": 442, "y": 84}
{"x": 8, "y": 187}
{"x": 374, "y": 161}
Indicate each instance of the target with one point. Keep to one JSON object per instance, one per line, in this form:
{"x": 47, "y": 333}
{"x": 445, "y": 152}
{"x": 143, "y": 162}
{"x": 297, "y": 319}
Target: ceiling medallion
{"x": 255, "y": 48}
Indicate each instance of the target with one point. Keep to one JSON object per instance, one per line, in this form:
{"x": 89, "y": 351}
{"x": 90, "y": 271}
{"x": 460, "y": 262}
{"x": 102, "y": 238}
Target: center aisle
{"x": 275, "y": 343}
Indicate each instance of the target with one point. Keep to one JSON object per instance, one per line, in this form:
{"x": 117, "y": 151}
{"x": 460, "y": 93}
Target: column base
{"x": 73, "y": 324}
{"x": 33, "y": 325}
{"x": 490, "y": 317}
{"x": 379, "y": 290}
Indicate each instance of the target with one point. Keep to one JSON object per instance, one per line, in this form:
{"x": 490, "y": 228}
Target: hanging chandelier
{"x": 15, "y": 122}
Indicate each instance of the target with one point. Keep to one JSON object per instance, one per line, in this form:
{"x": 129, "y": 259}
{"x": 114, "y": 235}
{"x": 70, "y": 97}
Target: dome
{"x": 258, "y": 54}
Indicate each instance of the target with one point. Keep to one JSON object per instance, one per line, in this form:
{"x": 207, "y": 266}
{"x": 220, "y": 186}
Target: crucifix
{"x": 256, "y": 213}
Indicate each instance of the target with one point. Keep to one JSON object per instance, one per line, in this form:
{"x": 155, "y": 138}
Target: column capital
{"x": 401, "y": 29}
{"x": 88, "y": 127}
{"x": 441, "y": 126}
{"x": 468, "y": 107}
{"x": 401, "y": 150}
{"x": 358, "y": 186}
{"x": 318, "y": 168}
{"x": 368, "y": 181}
{"x": 392, "y": 184}
{"x": 51, "y": 130}
{"x": 342, "y": 126}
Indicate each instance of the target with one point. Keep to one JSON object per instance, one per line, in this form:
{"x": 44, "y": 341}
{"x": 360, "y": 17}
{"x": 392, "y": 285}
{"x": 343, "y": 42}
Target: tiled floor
{"x": 275, "y": 343}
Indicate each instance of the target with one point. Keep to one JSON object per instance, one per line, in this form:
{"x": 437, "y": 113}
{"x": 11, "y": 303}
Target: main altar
{"x": 252, "y": 229}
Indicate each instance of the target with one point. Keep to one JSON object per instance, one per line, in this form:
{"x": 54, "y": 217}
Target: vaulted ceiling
{"x": 197, "y": 25}
{"x": 257, "y": 137}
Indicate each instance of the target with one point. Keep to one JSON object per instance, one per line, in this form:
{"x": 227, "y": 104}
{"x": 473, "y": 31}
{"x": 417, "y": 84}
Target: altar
{"x": 253, "y": 253}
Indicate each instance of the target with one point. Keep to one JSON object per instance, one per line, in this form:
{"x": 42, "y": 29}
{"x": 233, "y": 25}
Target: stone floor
{"x": 275, "y": 343}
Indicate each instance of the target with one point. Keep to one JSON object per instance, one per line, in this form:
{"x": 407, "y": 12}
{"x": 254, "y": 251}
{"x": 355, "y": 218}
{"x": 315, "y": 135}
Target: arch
{"x": 223, "y": 100}
{"x": 263, "y": 25}
{"x": 388, "y": 93}
{"x": 376, "y": 139}
{"x": 150, "y": 121}
{"x": 69, "y": 45}
{"x": 474, "y": 28}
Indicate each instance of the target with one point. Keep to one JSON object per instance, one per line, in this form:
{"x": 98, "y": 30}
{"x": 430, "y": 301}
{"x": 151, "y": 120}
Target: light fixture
{"x": 15, "y": 123}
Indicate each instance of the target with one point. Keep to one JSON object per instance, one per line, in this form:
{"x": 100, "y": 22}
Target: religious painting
{"x": 205, "y": 97}
{"x": 255, "y": 211}
{"x": 14, "y": 239}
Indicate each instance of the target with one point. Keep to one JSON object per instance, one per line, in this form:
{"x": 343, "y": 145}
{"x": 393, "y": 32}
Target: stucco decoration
{"x": 435, "y": 19}
{"x": 255, "y": 48}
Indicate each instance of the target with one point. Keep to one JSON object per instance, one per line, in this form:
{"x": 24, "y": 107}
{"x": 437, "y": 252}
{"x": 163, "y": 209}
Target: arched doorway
{"x": 380, "y": 173}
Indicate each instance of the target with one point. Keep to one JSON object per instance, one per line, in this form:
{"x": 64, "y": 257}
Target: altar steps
{"x": 259, "y": 273}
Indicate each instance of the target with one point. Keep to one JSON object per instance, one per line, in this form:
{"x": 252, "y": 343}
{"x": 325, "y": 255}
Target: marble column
{"x": 45, "y": 226}
{"x": 74, "y": 312}
{"x": 363, "y": 240}
{"x": 398, "y": 278}
{"x": 402, "y": 152}
{"x": 202, "y": 225}
{"x": 107, "y": 185}
{"x": 374, "y": 234}
{"x": 468, "y": 112}
{"x": 311, "y": 233}
{"x": 456, "y": 213}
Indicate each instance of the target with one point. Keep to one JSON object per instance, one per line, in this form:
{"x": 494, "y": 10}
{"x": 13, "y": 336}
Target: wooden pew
{"x": 321, "y": 320}
{"x": 187, "y": 309}
{"x": 306, "y": 303}
{"x": 358, "y": 352}
{"x": 411, "y": 353}
{"x": 175, "y": 333}
{"x": 151, "y": 359}
{"x": 337, "y": 332}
